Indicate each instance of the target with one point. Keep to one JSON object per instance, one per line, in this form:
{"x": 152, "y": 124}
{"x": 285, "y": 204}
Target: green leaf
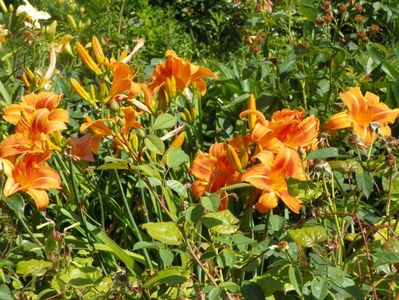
{"x": 178, "y": 187}
{"x": 306, "y": 190}
{"x": 392, "y": 245}
{"x": 222, "y": 222}
{"x": 346, "y": 166}
{"x": 165, "y": 232}
{"x": 294, "y": 280}
{"x": 228, "y": 257}
{"x": 194, "y": 213}
{"x": 215, "y": 293}
{"x": 175, "y": 157}
{"x": 5, "y": 94}
{"x": 365, "y": 183}
{"x": 112, "y": 163}
{"x": 154, "y": 144}
{"x": 166, "y": 256}
{"x": 230, "y": 286}
{"x": 82, "y": 277}
{"x": 252, "y": 291}
{"x": 33, "y": 267}
{"x": 384, "y": 258}
{"x": 308, "y": 12}
{"x": 308, "y": 236}
{"x": 114, "y": 248}
{"x": 210, "y": 203}
{"x": 5, "y": 293}
{"x": 323, "y": 153}
{"x": 170, "y": 276}
{"x": 319, "y": 287}
{"x": 144, "y": 244}
{"x": 164, "y": 121}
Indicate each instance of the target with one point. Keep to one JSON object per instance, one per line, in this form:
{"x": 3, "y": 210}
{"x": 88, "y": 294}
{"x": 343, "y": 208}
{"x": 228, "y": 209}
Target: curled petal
{"x": 40, "y": 197}
{"x": 258, "y": 176}
{"x": 339, "y": 121}
{"x": 293, "y": 203}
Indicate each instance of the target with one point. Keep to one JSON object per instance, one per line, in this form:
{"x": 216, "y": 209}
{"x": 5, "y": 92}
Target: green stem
{"x": 136, "y": 230}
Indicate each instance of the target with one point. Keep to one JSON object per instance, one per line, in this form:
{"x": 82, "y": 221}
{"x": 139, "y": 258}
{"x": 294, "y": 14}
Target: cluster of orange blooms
{"x": 169, "y": 77}
{"x": 264, "y": 157}
{"x": 23, "y": 154}
{"x": 270, "y": 152}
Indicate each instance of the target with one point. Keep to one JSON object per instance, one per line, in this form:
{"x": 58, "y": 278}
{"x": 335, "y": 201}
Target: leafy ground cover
{"x": 199, "y": 149}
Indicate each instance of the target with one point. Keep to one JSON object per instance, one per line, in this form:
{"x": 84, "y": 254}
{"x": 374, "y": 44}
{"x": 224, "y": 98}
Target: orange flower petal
{"x": 293, "y": 203}
{"x": 266, "y": 202}
{"x": 40, "y": 197}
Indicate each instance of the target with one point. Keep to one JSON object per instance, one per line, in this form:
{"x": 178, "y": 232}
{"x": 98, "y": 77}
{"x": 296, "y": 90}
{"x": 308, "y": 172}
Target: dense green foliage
{"x": 128, "y": 225}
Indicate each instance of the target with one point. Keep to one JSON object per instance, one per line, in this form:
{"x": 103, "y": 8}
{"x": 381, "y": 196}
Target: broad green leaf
{"x": 178, "y": 187}
{"x": 5, "y": 293}
{"x": 306, "y": 190}
{"x": 323, "y": 153}
{"x": 175, "y": 157}
{"x": 210, "y": 203}
{"x": 5, "y": 94}
{"x": 384, "y": 258}
{"x": 309, "y": 12}
{"x": 145, "y": 244}
{"x": 251, "y": 291}
{"x": 112, "y": 163}
{"x": 33, "y": 267}
{"x": 308, "y": 236}
{"x": 82, "y": 277}
{"x": 222, "y": 222}
{"x": 165, "y": 232}
{"x": 194, "y": 213}
{"x": 164, "y": 121}
{"x": 230, "y": 286}
{"x": 215, "y": 293}
{"x": 346, "y": 166}
{"x": 169, "y": 276}
{"x": 319, "y": 287}
{"x": 365, "y": 183}
{"x": 229, "y": 257}
{"x": 154, "y": 144}
{"x": 294, "y": 280}
{"x": 166, "y": 256}
{"x": 392, "y": 245}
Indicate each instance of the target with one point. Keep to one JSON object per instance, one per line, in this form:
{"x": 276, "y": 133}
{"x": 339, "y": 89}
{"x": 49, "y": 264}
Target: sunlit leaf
{"x": 165, "y": 232}
{"x": 308, "y": 236}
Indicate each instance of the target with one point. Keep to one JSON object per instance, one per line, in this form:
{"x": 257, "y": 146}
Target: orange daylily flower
{"x": 288, "y": 126}
{"x": 364, "y": 113}
{"x": 213, "y": 172}
{"x": 98, "y": 130}
{"x": 175, "y": 74}
{"x": 31, "y": 102}
{"x": 81, "y": 148}
{"x": 30, "y": 176}
{"x": 270, "y": 176}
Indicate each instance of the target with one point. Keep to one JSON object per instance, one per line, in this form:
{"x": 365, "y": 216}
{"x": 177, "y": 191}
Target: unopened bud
{"x": 233, "y": 159}
{"x": 251, "y": 105}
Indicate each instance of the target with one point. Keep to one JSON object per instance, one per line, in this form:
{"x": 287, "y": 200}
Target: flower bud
{"x": 233, "y": 159}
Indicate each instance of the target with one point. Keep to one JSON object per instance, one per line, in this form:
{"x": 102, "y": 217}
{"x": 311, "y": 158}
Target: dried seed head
{"x": 360, "y": 19}
{"x": 359, "y": 8}
{"x": 361, "y": 35}
{"x": 374, "y": 28}
{"x": 342, "y": 8}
